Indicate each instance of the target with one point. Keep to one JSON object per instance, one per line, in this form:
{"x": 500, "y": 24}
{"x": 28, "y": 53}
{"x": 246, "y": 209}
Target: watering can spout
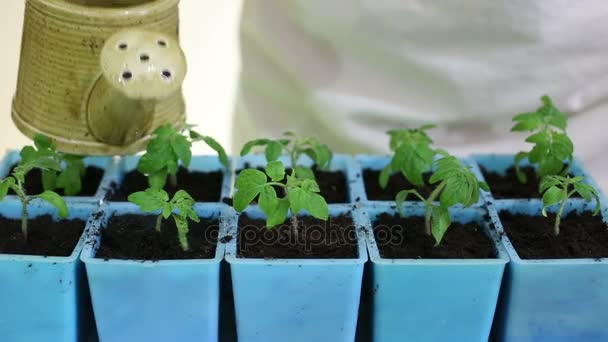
{"x": 139, "y": 70}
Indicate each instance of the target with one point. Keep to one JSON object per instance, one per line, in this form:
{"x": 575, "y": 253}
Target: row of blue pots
{"x": 46, "y": 298}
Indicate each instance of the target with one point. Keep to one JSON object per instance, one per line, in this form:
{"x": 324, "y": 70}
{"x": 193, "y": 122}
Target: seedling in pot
{"x": 301, "y": 193}
{"x": 168, "y": 148}
{"x": 294, "y": 147}
{"x": 454, "y": 183}
{"x": 16, "y": 182}
{"x": 413, "y": 155}
{"x": 69, "y": 177}
{"x": 180, "y": 207}
{"x": 552, "y": 146}
{"x": 559, "y": 189}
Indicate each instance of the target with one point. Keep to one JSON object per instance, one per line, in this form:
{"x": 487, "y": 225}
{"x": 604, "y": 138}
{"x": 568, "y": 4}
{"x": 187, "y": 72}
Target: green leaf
{"x": 521, "y": 176}
{"x": 484, "y": 186}
{"x": 317, "y": 206}
{"x": 273, "y": 150}
{"x": 275, "y": 170}
{"x": 323, "y": 156}
{"x": 43, "y": 142}
{"x": 57, "y": 201}
{"x": 153, "y": 162}
{"x": 297, "y": 199}
{"x": 253, "y": 143}
{"x": 268, "y": 200}
{"x": 279, "y": 215}
{"x": 303, "y": 172}
{"x": 157, "y": 180}
{"x": 182, "y": 231}
{"x": 249, "y": 184}
{"x": 310, "y": 185}
{"x": 384, "y": 177}
{"x": 552, "y": 196}
{"x": 46, "y": 163}
{"x": 441, "y": 221}
{"x": 401, "y": 197}
{"x": 28, "y": 154}
{"x": 182, "y": 148}
{"x": 221, "y": 153}
{"x": 585, "y": 190}
{"x": 4, "y": 186}
{"x": 49, "y": 180}
{"x": 149, "y": 200}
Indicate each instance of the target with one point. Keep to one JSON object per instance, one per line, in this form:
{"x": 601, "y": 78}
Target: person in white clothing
{"x": 347, "y": 71}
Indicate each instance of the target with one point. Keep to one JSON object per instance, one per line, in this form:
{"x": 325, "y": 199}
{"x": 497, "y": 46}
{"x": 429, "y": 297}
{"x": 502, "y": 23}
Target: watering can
{"x": 98, "y": 76}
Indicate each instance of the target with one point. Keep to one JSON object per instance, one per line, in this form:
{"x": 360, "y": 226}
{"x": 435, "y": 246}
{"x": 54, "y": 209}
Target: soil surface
{"x": 396, "y": 183}
{"x": 404, "y": 238}
{"x": 46, "y": 237}
{"x": 315, "y": 239}
{"x": 90, "y": 182}
{"x": 133, "y": 237}
{"x": 202, "y": 186}
{"x": 581, "y": 236}
{"x": 508, "y": 186}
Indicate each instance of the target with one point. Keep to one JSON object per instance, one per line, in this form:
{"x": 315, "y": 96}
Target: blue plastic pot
{"x": 551, "y": 299}
{"x": 379, "y": 162}
{"x": 434, "y": 299}
{"x": 44, "y": 298}
{"x": 278, "y": 300}
{"x": 167, "y": 300}
{"x": 104, "y": 163}
{"x": 198, "y": 164}
{"x": 339, "y": 163}
{"x": 499, "y": 163}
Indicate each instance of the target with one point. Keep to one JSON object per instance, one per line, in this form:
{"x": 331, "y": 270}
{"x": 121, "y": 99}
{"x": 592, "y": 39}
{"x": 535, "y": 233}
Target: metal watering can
{"x": 98, "y": 76}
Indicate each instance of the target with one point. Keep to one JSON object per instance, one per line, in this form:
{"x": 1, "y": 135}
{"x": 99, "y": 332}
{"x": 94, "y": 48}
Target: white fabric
{"x": 348, "y": 70}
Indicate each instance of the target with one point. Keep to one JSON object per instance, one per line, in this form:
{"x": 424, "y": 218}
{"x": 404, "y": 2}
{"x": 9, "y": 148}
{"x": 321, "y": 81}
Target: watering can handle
{"x": 139, "y": 69}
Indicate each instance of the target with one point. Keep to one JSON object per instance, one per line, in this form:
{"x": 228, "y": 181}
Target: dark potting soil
{"x": 90, "y": 182}
{"x": 315, "y": 239}
{"x": 581, "y": 236}
{"x": 508, "y": 186}
{"x": 399, "y": 237}
{"x": 46, "y": 237}
{"x": 396, "y": 183}
{"x": 133, "y": 237}
{"x": 202, "y": 186}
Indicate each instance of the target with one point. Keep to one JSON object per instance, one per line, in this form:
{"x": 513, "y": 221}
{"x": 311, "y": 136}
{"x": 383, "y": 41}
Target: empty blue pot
{"x": 104, "y": 163}
{"x": 551, "y": 299}
{"x": 433, "y": 299}
{"x": 278, "y": 300}
{"x": 198, "y": 164}
{"x": 166, "y": 300}
{"x": 44, "y": 298}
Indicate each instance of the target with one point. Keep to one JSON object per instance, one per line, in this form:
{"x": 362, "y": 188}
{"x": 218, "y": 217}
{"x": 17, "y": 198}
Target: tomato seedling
{"x": 559, "y": 189}
{"x": 552, "y": 146}
{"x": 294, "y": 147}
{"x": 68, "y": 178}
{"x": 301, "y": 193}
{"x": 180, "y": 207}
{"x": 16, "y": 182}
{"x": 454, "y": 183}
{"x": 413, "y": 155}
{"x": 168, "y": 148}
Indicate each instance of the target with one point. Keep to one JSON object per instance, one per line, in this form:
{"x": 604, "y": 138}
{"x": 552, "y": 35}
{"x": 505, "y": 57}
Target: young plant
{"x": 301, "y": 193}
{"x": 558, "y": 189}
{"x": 552, "y": 146}
{"x": 180, "y": 207}
{"x": 68, "y": 178}
{"x": 16, "y": 182}
{"x": 454, "y": 183}
{"x": 413, "y": 155}
{"x": 168, "y": 148}
{"x": 294, "y": 147}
